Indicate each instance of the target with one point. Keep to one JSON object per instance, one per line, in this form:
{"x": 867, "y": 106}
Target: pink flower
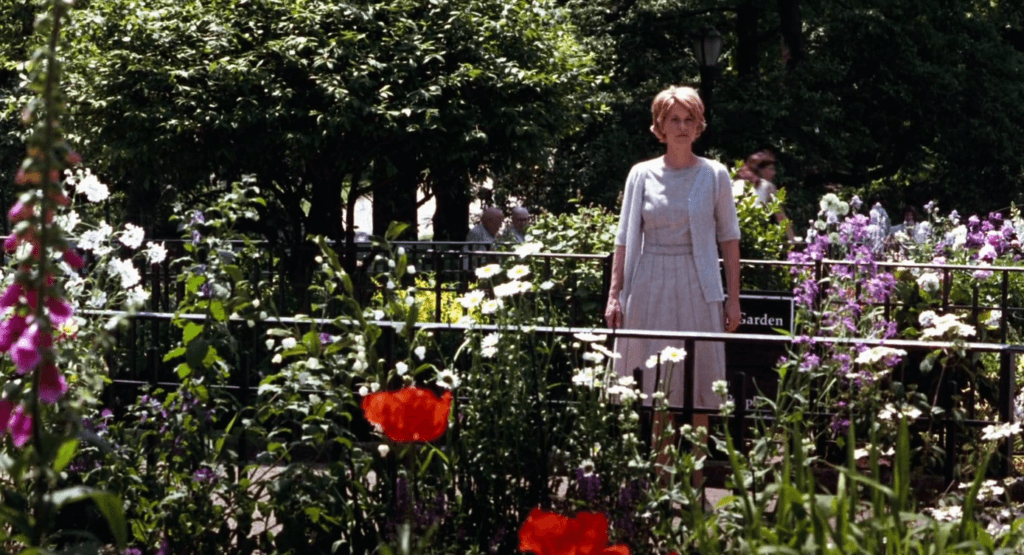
{"x": 51, "y": 383}
{"x": 20, "y": 211}
{"x": 73, "y": 259}
{"x": 11, "y": 295}
{"x": 6, "y": 406}
{"x": 60, "y": 310}
{"x": 10, "y": 330}
{"x": 20, "y": 426}
{"x": 27, "y": 351}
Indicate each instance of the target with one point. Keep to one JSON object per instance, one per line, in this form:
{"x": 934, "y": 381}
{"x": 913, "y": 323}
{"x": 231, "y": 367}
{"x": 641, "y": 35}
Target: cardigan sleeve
{"x": 727, "y": 224}
{"x": 629, "y": 215}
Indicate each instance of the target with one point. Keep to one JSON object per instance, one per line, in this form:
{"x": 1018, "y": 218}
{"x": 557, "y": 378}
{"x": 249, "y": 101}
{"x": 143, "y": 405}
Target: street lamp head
{"x": 708, "y": 47}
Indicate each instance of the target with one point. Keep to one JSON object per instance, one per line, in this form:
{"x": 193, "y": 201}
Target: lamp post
{"x": 707, "y": 48}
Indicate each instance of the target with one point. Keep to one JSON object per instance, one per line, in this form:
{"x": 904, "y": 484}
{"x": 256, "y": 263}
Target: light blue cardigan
{"x": 711, "y": 207}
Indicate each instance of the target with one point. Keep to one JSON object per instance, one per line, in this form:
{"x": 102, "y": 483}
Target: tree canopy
{"x": 315, "y": 97}
{"x": 319, "y": 102}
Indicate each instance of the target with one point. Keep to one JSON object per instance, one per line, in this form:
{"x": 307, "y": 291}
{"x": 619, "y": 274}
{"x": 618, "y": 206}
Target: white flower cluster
{"x": 668, "y": 355}
{"x": 832, "y": 207}
{"x": 878, "y": 354}
{"x": 1003, "y": 430}
{"x": 952, "y": 513}
{"x": 132, "y": 236}
{"x": 929, "y": 282}
{"x": 988, "y": 489}
{"x": 95, "y": 240}
{"x": 947, "y": 325}
{"x": 89, "y": 185}
{"x": 890, "y": 411}
{"x": 865, "y": 452}
{"x": 626, "y": 389}
{"x": 589, "y": 377}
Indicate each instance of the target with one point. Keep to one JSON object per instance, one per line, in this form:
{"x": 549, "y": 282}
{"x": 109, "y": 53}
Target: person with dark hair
{"x": 759, "y": 170}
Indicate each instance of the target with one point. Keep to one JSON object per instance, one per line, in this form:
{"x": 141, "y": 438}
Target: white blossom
{"x": 91, "y": 187}
{"x": 136, "y": 297}
{"x": 125, "y": 270}
{"x": 157, "y": 253}
{"x": 288, "y": 343}
{"x": 720, "y": 387}
{"x": 401, "y": 368}
{"x": 420, "y": 352}
{"x": 472, "y": 299}
{"x": 929, "y": 282}
{"x": 878, "y": 354}
{"x": 590, "y": 337}
{"x": 491, "y": 306}
{"x": 518, "y": 271}
{"x": 995, "y": 432}
{"x": 526, "y": 249}
{"x": 448, "y": 379}
{"x": 383, "y": 449}
{"x": 95, "y": 239}
{"x": 488, "y": 271}
{"x": 132, "y": 236}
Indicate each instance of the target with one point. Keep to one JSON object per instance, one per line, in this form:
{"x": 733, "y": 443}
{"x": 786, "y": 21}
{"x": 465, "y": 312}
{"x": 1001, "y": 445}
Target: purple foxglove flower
{"x": 20, "y": 426}
{"x": 51, "y": 383}
{"x": 27, "y": 350}
{"x": 10, "y": 330}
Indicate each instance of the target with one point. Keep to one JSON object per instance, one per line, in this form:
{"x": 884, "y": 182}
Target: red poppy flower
{"x": 409, "y": 414}
{"x": 546, "y": 533}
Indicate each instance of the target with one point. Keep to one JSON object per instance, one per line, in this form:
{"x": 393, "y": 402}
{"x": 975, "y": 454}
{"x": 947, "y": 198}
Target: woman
{"x": 759, "y": 170}
{"x": 677, "y": 212}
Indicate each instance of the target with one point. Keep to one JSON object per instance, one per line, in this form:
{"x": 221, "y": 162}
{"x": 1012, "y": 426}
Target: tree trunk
{"x": 747, "y": 40}
{"x": 792, "y": 36}
{"x": 394, "y": 200}
{"x": 452, "y": 199}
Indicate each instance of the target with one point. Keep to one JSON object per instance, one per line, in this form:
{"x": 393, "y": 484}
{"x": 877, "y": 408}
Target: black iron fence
{"x": 147, "y": 337}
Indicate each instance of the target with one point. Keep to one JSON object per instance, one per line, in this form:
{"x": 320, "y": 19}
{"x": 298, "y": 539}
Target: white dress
{"x": 665, "y": 293}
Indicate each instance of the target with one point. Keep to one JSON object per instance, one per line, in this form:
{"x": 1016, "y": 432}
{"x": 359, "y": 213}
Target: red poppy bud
{"x": 410, "y": 414}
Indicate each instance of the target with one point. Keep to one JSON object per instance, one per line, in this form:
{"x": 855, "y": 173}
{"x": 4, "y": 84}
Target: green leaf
{"x": 65, "y": 455}
{"x": 108, "y": 504}
{"x": 190, "y": 332}
{"x": 217, "y": 311}
{"x": 305, "y": 205}
{"x": 174, "y": 354}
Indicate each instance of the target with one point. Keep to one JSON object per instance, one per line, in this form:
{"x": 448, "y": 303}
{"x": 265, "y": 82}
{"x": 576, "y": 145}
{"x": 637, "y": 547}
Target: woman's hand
{"x": 732, "y": 314}
{"x": 613, "y": 312}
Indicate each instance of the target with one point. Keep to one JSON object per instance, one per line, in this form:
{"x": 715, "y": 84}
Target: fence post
{"x": 1006, "y": 398}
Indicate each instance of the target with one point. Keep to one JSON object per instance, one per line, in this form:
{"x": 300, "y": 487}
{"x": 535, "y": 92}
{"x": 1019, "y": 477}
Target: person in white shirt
{"x": 759, "y": 170}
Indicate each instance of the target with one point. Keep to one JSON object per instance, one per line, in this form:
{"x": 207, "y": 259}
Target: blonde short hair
{"x": 685, "y": 96}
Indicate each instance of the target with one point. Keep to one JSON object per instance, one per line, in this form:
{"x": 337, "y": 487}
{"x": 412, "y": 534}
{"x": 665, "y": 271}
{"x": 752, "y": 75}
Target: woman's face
{"x": 679, "y": 127}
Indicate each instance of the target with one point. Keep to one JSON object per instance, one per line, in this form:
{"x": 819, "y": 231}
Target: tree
{"x": 317, "y": 98}
{"x": 900, "y": 100}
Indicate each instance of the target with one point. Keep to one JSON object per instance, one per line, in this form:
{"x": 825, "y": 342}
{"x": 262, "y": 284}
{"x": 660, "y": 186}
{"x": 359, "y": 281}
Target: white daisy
{"x": 488, "y": 271}
{"x": 448, "y": 379}
{"x": 518, "y": 271}
{"x": 472, "y": 299}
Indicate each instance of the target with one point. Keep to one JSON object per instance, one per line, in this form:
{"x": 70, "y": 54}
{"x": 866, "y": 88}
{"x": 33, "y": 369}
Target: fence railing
{"x": 143, "y": 366}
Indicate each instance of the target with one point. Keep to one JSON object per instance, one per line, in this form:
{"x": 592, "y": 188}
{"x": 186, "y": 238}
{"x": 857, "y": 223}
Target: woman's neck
{"x": 679, "y": 158}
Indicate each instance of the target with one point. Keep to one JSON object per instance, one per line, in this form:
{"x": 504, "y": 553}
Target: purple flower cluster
{"x": 589, "y": 485}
